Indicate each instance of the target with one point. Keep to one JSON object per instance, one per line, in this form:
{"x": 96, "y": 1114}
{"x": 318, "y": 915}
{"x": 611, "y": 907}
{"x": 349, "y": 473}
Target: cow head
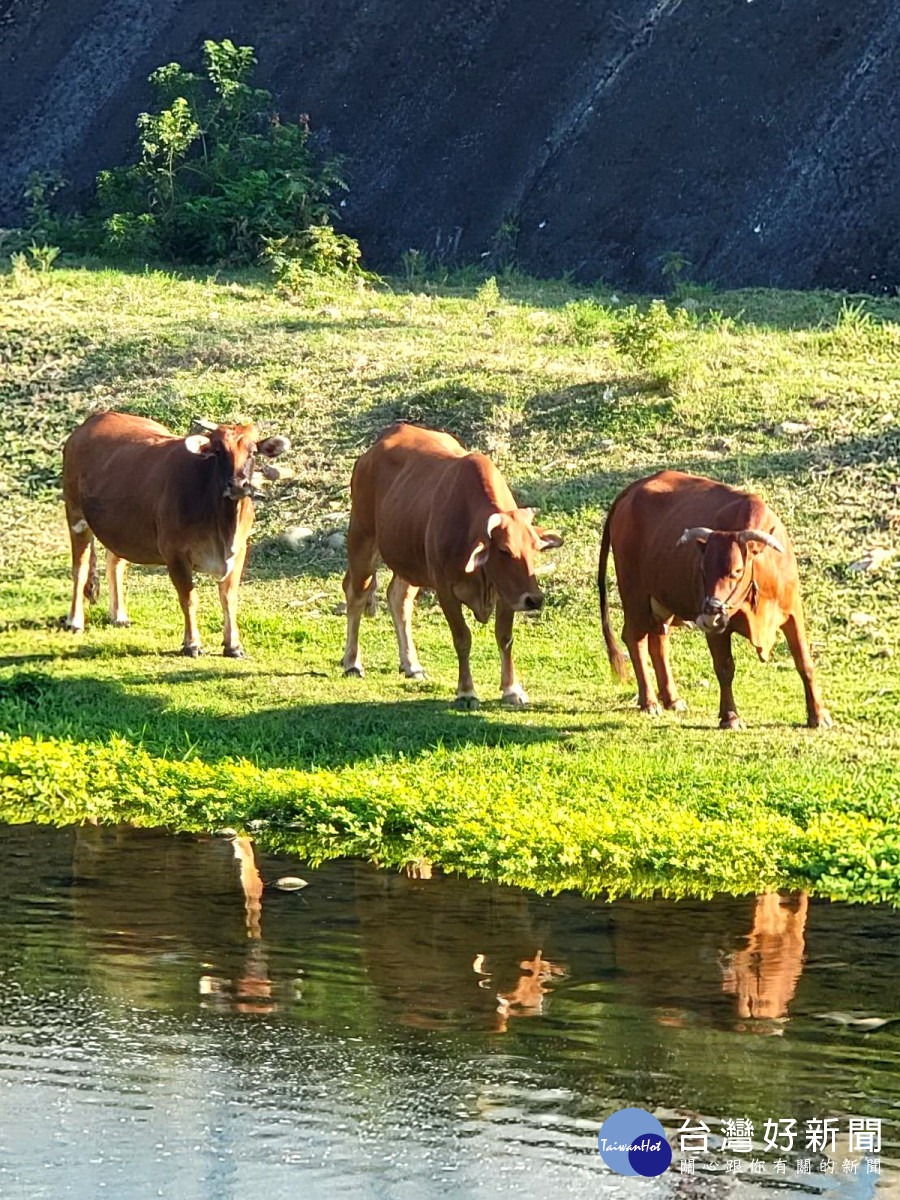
{"x": 726, "y": 570}
{"x": 506, "y": 552}
{"x": 233, "y": 450}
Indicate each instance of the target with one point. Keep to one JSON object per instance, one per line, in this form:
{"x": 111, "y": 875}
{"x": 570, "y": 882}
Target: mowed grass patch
{"x": 574, "y": 393}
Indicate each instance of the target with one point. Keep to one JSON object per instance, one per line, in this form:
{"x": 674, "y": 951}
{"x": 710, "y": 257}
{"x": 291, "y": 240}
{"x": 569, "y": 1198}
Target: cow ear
{"x": 198, "y": 443}
{"x": 548, "y": 541}
{"x": 477, "y": 558}
{"x": 271, "y": 447}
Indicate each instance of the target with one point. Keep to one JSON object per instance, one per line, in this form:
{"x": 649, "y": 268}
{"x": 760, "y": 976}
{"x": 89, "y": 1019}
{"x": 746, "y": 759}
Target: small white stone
{"x": 791, "y": 428}
{"x": 336, "y": 541}
{"x": 861, "y": 619}
{"x": 872, "y": 559}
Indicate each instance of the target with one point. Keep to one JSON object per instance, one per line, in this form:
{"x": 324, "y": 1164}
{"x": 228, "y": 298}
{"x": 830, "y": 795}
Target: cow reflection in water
{"x": 526, "y": 999}
{"x": 453, "y": 954}
{"x": 763, "y": 976}
{"x": 732, "y": 964}
{"x": 174, "y": 916}
{"x": 251, "y": 991}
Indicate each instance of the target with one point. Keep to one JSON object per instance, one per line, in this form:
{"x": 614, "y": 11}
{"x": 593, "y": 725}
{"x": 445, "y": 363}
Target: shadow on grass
{"x": 302, "y": 736}
{"x": 271, "y": 558}
{"x": 573, "y": 493}
{"x": 441, "y": 402}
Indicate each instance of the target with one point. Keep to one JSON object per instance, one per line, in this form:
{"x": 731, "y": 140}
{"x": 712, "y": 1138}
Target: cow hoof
{"x": 652, "y": 710}
{"x": 191, "y": 651}
{"x": 126, "y": 624}
{"x": 678, "y": 705}
{"x": 353, "y": 673}
{"x": 515, "y": 699}
{"x": 234, "y": 652}
{"x": 732, "y": 721}
{"x": 466, "y": 703}
{"x": 420, "y": 674}
{"x": 820, "y": 720}
{"x": 72, "y": 628}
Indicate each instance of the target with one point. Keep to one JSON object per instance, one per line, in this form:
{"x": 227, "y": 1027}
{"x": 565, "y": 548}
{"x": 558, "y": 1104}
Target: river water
{"x": 173, "y": 1024}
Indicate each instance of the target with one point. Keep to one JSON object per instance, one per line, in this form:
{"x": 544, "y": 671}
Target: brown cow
{"x": 440, "y": 518}
{"x": 690, "y": 549}
{"x": 152, "y": 497}
{"x": 764, "y": 975}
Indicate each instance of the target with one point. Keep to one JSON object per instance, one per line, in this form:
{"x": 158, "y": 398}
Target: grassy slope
{"x": 577, "y": 791}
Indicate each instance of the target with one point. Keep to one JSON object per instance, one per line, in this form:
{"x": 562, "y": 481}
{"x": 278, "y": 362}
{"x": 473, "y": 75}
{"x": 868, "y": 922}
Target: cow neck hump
{"x": 486, "y": 486}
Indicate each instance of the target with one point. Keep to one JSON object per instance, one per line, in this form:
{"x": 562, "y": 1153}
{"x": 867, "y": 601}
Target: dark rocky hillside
{"x": 759, "y": 138}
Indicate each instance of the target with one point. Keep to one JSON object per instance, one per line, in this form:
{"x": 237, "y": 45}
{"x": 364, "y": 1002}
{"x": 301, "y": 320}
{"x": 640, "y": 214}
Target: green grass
{"x": 573, "y": 396}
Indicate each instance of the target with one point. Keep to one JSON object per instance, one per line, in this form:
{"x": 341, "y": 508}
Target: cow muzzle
{"x": 713, "y": 617}
{"x": 530, "y": 602}
{"x": 238, "y": 490}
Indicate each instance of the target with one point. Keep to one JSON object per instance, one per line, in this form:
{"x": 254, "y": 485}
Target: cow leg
{"x": 359, "y": 590}
{"x": 723, "y": 662}
{"x": 183, "y": 581}
{"x": 85, "y": 584}
{"x": 115, "y": 578}
{"x": 462, "y": 641}
{"x": 817, "y": 716}
{"x": 401, "y": 597}
{"x": 637, "y": 648}
{"x": 659, "y": 655}
{"x": 228, "y": 597}
{"x": 511, "y": 691}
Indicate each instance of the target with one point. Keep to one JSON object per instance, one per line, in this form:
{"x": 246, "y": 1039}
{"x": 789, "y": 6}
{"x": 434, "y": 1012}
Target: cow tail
{"x": 92, "y": 584}
{"x": 617, "y": 660}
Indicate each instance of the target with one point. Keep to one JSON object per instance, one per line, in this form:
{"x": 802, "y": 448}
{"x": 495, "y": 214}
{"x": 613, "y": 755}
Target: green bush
{"x": 650, "y": 337}
{"x": 319, "y": 250}
{"x": 586, "y": 321}
{"x": 219, "y": 178}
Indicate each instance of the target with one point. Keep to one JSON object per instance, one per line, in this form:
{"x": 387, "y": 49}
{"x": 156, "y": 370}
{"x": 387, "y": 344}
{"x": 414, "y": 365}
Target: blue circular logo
{"x": 632, "y": 1142}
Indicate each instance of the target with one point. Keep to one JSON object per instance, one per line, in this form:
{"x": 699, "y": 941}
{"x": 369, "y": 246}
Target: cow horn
{"x": 758, "y": 535}
{"x": 201, "y": 425}
{"x": 694, "y": 534}
{"x": 493, "y": 521}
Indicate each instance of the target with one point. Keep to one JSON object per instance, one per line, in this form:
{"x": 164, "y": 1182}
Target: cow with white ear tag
{"x": 150, "y": 496}
{"x": 441, "y": 518}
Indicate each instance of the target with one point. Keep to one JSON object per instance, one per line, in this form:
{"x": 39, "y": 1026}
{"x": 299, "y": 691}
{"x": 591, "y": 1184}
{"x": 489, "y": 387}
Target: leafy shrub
{"x": 504, "y": 244}
{"x": 414, "y": 265}
{"x": 650, "y": 337}
{"x": 488, "y": 295}
{"x": 220, "y": 176}
{"x": 585, "y": 321}
{"x": 319, "y": 250}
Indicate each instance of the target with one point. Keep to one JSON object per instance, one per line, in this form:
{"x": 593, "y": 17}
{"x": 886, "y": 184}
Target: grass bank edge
{"x": 505, "y": 827}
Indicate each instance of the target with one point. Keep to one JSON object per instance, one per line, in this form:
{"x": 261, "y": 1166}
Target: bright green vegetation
{"x": 221, "y": 177}
{"x": 796, "y": 395}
